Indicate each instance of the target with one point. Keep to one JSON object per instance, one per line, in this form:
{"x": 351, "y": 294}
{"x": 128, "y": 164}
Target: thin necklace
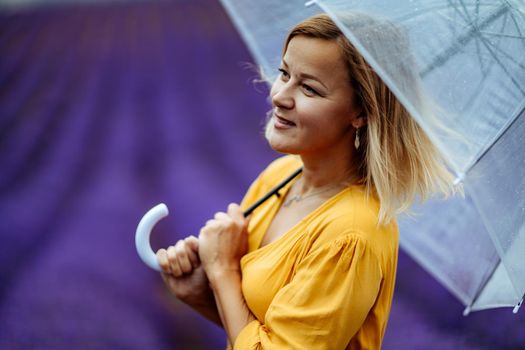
{"x": 297, "y": 198}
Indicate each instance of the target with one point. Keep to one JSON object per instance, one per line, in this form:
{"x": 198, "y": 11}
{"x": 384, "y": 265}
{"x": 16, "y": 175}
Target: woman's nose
{"x": 282, "y": 95}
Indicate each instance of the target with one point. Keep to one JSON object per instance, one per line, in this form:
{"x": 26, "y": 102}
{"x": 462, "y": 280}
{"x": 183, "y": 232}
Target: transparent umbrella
{"x": 470, "y": 56}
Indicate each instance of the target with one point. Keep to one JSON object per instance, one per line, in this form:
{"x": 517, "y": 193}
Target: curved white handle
{"x": 144, "y": 228}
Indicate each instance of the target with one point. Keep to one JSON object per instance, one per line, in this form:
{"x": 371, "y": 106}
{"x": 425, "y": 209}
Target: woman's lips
{"x": 282, "y": 123}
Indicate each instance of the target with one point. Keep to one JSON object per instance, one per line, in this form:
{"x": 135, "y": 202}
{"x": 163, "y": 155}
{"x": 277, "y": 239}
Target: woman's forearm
{"x": 205, "y": 305}
{"x": 194, "y": 290}
{"x": 231, "y": 305}
{"x": 223, "y": 241}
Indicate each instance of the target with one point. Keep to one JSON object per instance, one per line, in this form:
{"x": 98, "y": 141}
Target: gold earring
{"x": 356, "y": 142}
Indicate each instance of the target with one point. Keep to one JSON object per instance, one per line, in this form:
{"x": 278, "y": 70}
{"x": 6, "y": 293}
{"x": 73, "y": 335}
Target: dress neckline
{"x": 277, "y": 205}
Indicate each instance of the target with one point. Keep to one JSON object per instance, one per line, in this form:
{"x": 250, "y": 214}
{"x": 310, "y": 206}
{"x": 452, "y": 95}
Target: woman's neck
{"x": 324, "y": 171}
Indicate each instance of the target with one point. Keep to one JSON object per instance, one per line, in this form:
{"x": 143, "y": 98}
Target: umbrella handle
{"x": 143, "y": 233}
{"x": 160, "y": 211}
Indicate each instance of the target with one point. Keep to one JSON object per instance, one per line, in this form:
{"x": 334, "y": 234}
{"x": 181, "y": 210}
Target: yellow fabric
{"x": 328, "y": 282}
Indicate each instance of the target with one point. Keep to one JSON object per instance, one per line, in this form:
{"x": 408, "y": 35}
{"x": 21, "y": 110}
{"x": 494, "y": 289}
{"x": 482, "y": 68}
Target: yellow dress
{"x": 328, "y": 282}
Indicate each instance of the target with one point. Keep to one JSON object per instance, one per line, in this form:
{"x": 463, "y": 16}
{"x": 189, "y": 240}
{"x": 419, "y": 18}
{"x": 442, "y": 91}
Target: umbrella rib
{"x": 461, "y": 42}
{"x": 475, "y": 21}
{"x": 488, "y": 44}
{"x": 503, "y": 35}
{"x": 517, "y": 27}
{"x": 494, "y": 56}
{"x": 466, "y": 12}
{"x": 500, "y": 134}
{"x": 478, "y": 51}
{"x": 482, "y": 285}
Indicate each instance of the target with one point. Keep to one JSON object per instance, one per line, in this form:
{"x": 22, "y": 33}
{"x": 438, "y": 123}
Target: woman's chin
{"x": 282, "y": 147}
{"x": 279, "y": 142}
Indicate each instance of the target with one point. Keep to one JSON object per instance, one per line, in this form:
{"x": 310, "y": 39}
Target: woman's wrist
{"x": 221, "y": 275}
{"x": 233, "y": 310}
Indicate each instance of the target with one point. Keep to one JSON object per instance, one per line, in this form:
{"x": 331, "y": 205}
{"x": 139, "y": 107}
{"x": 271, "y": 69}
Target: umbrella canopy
{"x": 470, "y": 59}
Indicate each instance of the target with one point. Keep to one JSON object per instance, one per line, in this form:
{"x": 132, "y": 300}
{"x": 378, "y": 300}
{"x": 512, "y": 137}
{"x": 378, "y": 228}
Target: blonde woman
{"x": 314, "y": 267}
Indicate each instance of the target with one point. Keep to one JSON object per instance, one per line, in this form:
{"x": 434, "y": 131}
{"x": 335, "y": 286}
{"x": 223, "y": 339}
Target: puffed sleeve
{"x": 325, "y": 303}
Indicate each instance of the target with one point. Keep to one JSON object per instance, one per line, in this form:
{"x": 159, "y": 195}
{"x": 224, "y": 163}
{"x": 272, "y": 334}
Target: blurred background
{"x": 110, "y": 107}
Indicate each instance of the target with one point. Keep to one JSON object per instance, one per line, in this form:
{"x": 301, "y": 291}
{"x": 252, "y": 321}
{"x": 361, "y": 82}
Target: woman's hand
{"x": 223, "y": 241}
{"x": 181, "y": 269}
{"x": 184, "y": 276}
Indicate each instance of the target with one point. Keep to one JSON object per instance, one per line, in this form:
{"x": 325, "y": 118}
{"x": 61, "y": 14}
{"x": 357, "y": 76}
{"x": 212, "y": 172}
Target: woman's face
{"x": 312, "y": 99}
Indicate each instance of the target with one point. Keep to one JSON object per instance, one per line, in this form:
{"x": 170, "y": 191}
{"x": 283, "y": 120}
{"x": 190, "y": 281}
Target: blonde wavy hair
{"x": 397, "y": 161}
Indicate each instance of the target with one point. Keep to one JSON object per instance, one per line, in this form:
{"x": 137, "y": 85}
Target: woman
{"x": 314, "y": 268}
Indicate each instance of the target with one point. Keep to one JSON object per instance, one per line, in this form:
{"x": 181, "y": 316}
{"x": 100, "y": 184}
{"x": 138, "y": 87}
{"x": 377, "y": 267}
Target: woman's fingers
{"x": 173, "y": 262}
{"x": 183, "y": 259}
{"x": 191, "y": 244}
{"x": 162, "y": 258}
{"x": 235, "y": 212}
{"x": 221, "y": 216}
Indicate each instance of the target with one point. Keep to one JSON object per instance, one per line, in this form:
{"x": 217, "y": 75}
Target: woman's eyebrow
{"x": 312, "y": 77}
{"x": 306, "y": 75}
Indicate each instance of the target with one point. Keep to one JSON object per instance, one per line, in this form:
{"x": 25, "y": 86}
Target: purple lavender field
{"x": 107, "y": 110}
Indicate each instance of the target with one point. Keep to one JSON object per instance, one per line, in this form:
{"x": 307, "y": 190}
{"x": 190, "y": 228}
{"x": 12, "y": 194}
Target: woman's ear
{"x": 359, "y": 121}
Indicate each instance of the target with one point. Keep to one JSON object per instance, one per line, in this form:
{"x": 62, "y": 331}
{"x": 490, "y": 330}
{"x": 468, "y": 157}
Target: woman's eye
{"x": 309, "y": 90}
{"x": 284, "y": 74}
